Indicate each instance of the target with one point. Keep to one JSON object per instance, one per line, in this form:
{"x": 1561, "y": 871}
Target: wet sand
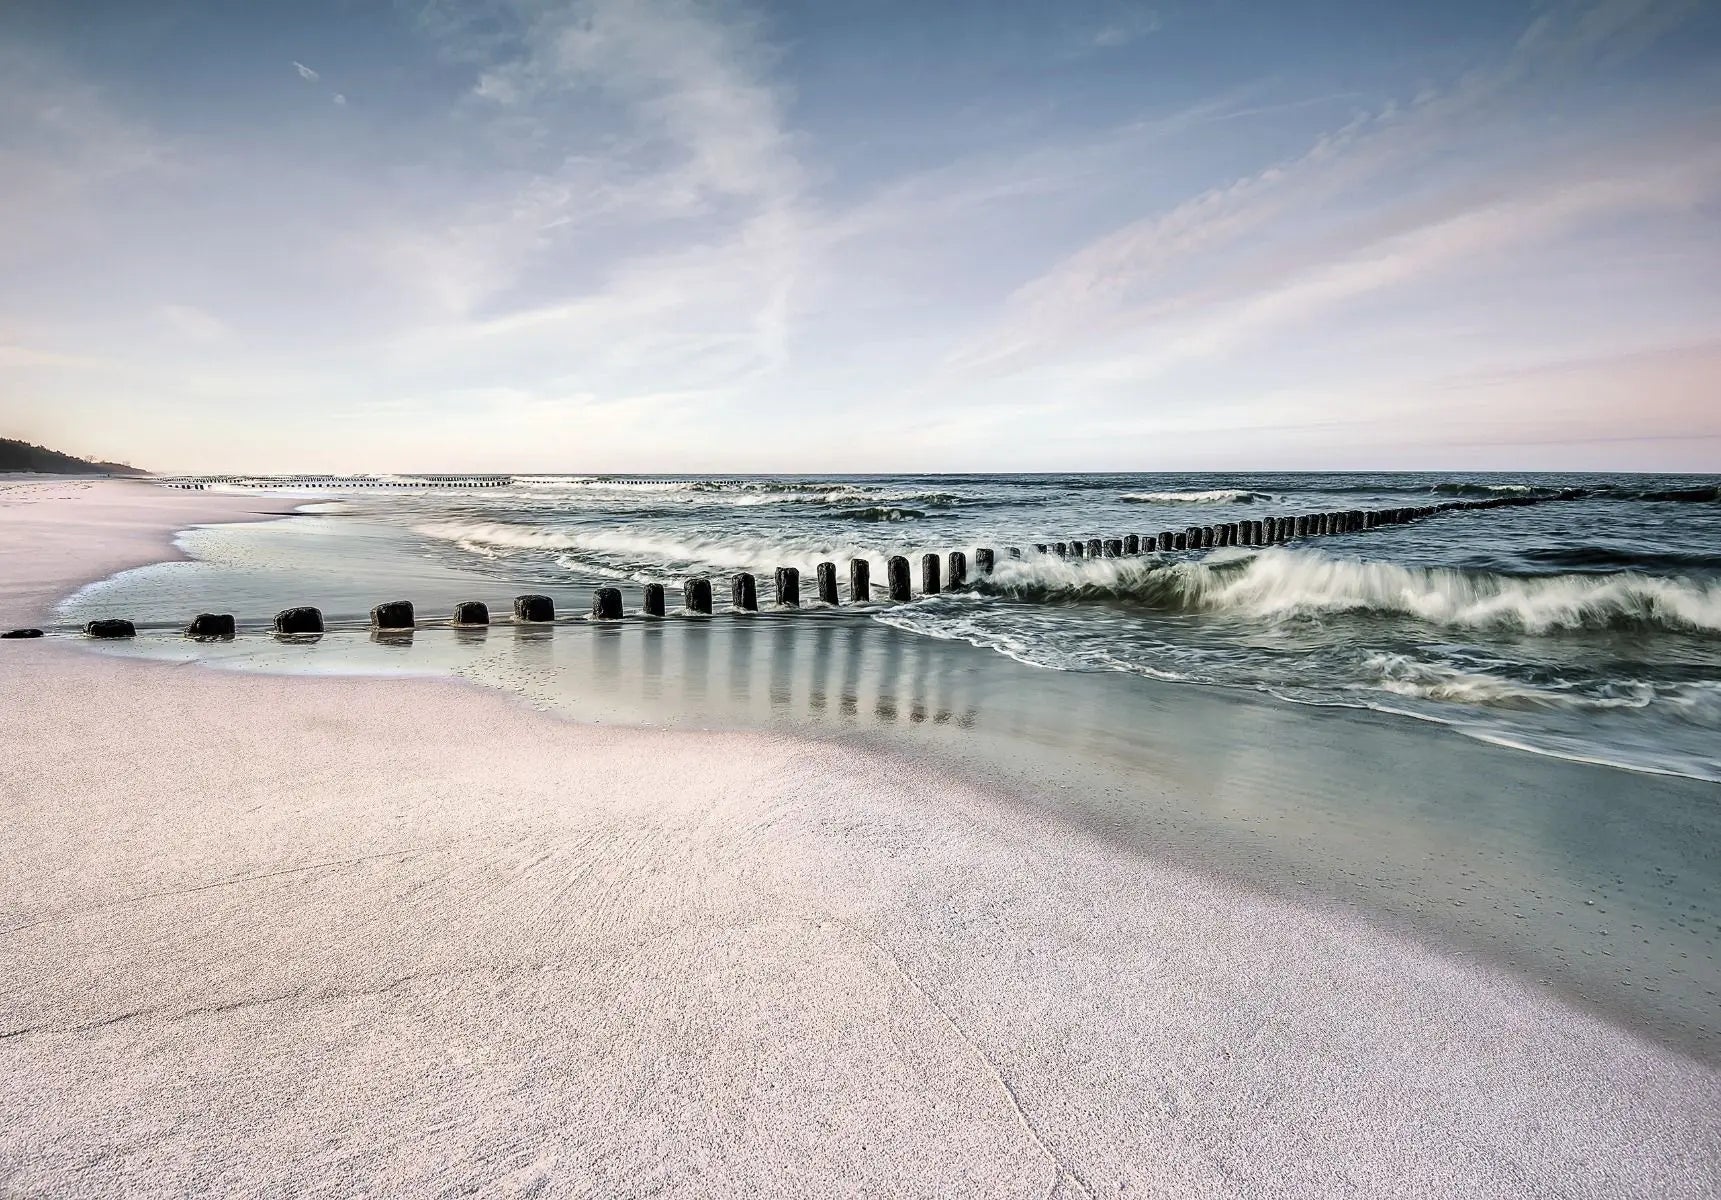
{"x": 316, "y": 935}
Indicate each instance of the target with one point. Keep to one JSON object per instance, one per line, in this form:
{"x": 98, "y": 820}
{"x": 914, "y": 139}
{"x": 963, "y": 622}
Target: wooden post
{"x": 606, "y": 604}
{"x": 299, "y": 620}
{"x": 697, "y": 595}
{"x": 1114, "y": 548}
{"x": 1166, "y": 542}
{"x": 788, "y": 587}
{"x": 1077, "y": 549}
{"x": 860, "y": 581}
{"x": 958, "y": 568}
{"x": 1061, "y": 549}
{"x": 827, "y": 578}
{"x": 394, "y": 614}
{"x": 534, "y": 609}
{"x": 929, "y": 575}
{"x": 654, "y": 599}
{"x": 896, "y": 575}
{"x": 1014, "y": 551}
{"x": 211, "y": 625}
{"x": 984, "y": 561}
{"x": 1095, "y": 547}
{"x": 744, "y": 593}
{"x": 1207, "y": 537}
{"x": 471, "y": 612}
{"x": 1132, "y": 544}
{"x": 113, "y": 628}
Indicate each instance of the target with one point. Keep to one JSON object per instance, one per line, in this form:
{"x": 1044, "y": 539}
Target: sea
{"x": 1498, "y": 727}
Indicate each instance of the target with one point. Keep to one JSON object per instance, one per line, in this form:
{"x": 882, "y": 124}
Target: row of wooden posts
{"x": 937, "y": 573}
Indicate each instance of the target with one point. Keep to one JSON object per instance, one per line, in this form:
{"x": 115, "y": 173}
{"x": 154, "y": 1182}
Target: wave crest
{"x": 1219, "y": 496}
{"x": 1276, "y": 585}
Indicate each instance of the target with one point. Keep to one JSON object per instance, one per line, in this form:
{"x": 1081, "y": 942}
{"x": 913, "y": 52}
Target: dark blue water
{"x": 1587, "y": 628}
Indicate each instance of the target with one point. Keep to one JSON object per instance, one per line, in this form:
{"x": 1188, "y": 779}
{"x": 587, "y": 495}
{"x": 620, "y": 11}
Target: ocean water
{"x": 1491, "y": 729}
{"x": 1587, "y": 628}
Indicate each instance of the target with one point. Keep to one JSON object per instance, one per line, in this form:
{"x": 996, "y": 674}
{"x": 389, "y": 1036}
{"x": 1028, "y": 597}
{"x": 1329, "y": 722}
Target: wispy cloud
{"x": 305, "y": 73}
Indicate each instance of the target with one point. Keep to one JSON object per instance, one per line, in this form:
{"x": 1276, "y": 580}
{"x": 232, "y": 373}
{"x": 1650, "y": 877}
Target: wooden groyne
{"x": 938, "y": 572}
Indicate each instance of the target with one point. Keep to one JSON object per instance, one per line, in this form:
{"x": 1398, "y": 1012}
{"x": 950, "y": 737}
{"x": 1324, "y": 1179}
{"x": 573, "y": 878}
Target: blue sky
{"x": 648, "y": 235}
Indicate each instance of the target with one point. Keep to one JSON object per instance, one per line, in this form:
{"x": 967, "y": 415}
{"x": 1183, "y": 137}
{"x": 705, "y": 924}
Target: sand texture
{"x": 294, "y": 936}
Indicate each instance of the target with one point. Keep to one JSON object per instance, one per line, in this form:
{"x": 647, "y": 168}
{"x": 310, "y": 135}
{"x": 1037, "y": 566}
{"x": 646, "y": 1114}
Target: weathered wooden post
{"x": 929, "y": 575}
{"x": 1042, "y": 547}
{"x": 744, "y": 593}
{"x": 1302, "y": 526}
{"x": 299, "y": 620}
{"x": 1061, "y": 549}
{"x": 606, "y": 604}
{"x": 860, "y": 581}
{"x": 1114, "y": 548}
{"x": 1166, "y": 542}
{"x": 896, "y": 577}
{"x": 20, "y": 634}
{"x": 984, "y": 561}
{"x": 1180, "y": 541}
{"x": 1132, "y": 544}
{"x": 534, "y": 610}
{"x": 696, "y": 595}
{"x": 392, "y": 614}
{"x": 1096, "y": 547}
{"x": 1077, "y": 549}
{"x": 211, "y": 626}
{"x": 957, "y": 565}
{"x": 1207, "y": 537}
{"x": 654, "y": 599}
{"x": 788, "y": 587}
{"x": 115, "y": 627}
{"x": 827, "y": 582}
{"x": 1191, "y": 538}
{"x": 1015, "y": 551}
{"x": 471, "y": 613}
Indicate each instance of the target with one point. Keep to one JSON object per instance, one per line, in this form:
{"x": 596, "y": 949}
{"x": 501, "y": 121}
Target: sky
{"x": 661, "y": 235}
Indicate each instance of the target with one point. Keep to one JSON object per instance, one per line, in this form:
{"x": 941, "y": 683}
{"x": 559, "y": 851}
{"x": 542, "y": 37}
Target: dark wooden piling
{"x": 1302, "y": 526}
{"x": 826, "y": 576}
{"x": 392, "y": 614}
{"x": 788, "y": 587}
{"x": 696, "y": 595}
{"x": 654, "y": 606}
{"x": 1166, "y": 542}
{"x": 299, "y": 620}
{"x": 1061, "y": 549}
{"x": 1114, "y": 548}
{"x": 1132, "y": 544}
{"x": 1096, "y": 547}
{"x": 20, "y": 635}
{"x": 1078, "y": 549}
{"x": 956, "y": 569}
{"x": 860, "y": 581}
{"x": 929, "y": 585}
{"x": 606, "y": 604}
{"x": 534, "y": 610}
{"x": 1191, "y": 538}
{"x": 984, "y": 561}
{"x": 212, "y": 626}
{"x": 744, "y": 593}
{"x": 470, "y": 613}
{"x": 896, "y": 577}
{"x": 1042, "y": 547}
{"x": 1014, "y": 551}
{"x": 1207, "y": 537}
{"x": 115, "y": 627}
{"x": 1180, "y": 541}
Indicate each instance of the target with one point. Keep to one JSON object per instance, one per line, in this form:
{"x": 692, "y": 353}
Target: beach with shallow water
{"x": 1219, "y": 877}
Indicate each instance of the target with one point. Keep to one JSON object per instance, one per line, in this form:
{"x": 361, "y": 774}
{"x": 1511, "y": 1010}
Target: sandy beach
{"x": 285, "y": 935}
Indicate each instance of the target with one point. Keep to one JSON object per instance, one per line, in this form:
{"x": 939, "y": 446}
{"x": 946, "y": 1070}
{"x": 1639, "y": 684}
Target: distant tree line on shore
{"x": 26, "y": 456}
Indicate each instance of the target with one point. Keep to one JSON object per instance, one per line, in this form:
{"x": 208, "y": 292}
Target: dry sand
{"x": 294, "y": 936}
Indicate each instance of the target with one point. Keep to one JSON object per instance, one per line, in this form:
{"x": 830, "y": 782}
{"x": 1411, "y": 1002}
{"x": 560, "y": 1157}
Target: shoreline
{"x": 742, "y": 965}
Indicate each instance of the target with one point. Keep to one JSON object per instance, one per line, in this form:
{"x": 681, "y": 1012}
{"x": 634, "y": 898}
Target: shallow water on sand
{"x": 1598, "y": 881}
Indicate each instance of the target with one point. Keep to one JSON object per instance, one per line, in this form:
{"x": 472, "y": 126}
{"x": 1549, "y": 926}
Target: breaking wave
{"x": 1277, "y": 585}
{"x": 1223, "y": 496}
